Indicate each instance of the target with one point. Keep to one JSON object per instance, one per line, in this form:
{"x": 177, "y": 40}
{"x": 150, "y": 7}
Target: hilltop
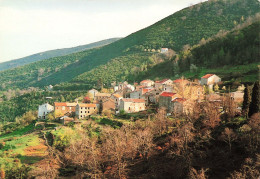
{"x": 136, "y": 52}
{"x": 53, "y": 53}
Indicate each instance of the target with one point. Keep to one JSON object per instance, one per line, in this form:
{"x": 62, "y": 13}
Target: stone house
{"x": 210, "y": 79}
{"x": 108, "y": 104}
{"x": 64, "y": 108}
{"x": 147, "y": 83}
{"x": 160, "y": 84}
{"x": 132, "y": 105}
{"x": 102, "y": 96}
{"x": 165, "y": 100}
{"x": 93, "y": 93}
{"x": 44, "y": 110}
{"x": 178, "y": 106}
{"x": 84, "y": 110}
{"x": 116, "y": 98}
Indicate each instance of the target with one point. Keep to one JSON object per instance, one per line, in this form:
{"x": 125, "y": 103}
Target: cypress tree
{"x": 254, "y": 105}
{"x": 247, "y": 101}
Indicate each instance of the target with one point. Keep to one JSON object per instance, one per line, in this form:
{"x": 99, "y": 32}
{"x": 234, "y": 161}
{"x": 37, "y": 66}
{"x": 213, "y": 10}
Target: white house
{"x": 93, "y": 92}
{"x": 132, "y": 105}
{"x": 44, "y": 110}
{"x": 210, "y": 79}
{"x": 147, "y": 83}
{"x": 164, "y": 50}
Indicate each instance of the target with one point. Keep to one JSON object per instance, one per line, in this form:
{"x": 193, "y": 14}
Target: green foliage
{"x": 62, "y": 138}
{"x": 255, "y": 102}
{"x": 246, "y": 101}
{"x": 12, "y": 109}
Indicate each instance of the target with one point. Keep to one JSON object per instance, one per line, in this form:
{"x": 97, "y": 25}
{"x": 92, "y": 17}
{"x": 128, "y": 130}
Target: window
{"x": 88, "y": 107}
{"x": 88, "y": 111}
{"x": 81, "y": 116}
{"x": 85, "y": 107}
{"x": 94, "y": 107}
{"x": 129, "y": 109}
{"x": 63, "y": 107}
{"x": 85, "y": 111}
{"x": 81, "y": 108}
{"x": 80, "y": 111}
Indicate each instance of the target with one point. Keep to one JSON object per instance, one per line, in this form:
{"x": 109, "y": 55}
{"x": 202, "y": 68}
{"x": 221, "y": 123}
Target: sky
{"x": 32, "y": 26}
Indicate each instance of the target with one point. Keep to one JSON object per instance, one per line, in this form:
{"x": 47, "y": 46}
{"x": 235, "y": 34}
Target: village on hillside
{"x": 176, "y": 97}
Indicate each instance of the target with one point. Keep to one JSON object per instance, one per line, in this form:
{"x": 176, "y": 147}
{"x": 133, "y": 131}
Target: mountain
{"x": 53, "y": 53}
{"x": 137, "y": 52}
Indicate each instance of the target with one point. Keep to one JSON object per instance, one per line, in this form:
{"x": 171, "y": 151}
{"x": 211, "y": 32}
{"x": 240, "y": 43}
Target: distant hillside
{"x": 234, "y": 56}
{"x": 137, "y": 52}
{"x": 53, "y": 53}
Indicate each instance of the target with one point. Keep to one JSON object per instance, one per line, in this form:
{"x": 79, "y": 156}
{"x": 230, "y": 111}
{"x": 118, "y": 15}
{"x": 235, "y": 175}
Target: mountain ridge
{"x": 53, "y": 53}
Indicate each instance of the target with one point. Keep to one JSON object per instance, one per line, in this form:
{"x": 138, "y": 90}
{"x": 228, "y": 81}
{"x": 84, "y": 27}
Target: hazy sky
{"x": 32, "y": 26}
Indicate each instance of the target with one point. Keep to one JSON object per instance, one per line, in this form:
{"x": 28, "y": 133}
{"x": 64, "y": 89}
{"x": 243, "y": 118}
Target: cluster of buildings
{"x": 175, "y": 96}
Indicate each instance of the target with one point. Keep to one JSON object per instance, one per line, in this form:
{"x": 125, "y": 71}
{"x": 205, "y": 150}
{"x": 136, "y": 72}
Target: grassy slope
{"x": 187, "y": 26}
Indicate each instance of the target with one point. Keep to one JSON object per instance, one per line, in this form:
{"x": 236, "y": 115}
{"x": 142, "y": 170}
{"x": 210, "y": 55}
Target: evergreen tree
{"x": 247, "y": 100}
{"x": 254, "y": 105}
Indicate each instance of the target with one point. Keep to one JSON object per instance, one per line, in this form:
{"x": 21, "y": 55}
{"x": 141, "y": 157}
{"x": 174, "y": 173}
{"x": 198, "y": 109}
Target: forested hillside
{"x": 53, "y": 53}
{"x": 188, "y": 26}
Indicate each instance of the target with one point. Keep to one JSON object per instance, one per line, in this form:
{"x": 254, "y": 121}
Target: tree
{"x": 228, "y": 136}
{"x": 216, "y": 87}
{"x": 255, "y": 102}
{"x": 247, "y": 101}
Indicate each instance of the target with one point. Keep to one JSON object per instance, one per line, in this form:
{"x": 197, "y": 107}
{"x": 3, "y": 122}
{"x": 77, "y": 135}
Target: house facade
{"x": 44, "y": 110}
{"x": 101, "y": 96}
{"x": 165, "y": 100}
{"x": 93, "y": 93}
{"x": 164, "y": 50}
{"x": 132, "y": 105}
{"x": 160, "y": 84}
{"x": 147, "y": 83}
{"x": 84, "y": 110}
{"x": 64, "y": 108}
{"x": 210, "y": 79}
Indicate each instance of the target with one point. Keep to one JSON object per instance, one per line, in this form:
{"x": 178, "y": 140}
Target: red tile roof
{"x": 145, "y": 81}
{"x": 117, "y": 95}
{"x": 87, "y": 105}
{"x": 167, "y": 94}
{"x": 64, "y": 104}
{"x": 60, "y": 104}
{"x": 181, "y": 100}
{"x": 133, "y": 100}
{"x": 207, "y": 76}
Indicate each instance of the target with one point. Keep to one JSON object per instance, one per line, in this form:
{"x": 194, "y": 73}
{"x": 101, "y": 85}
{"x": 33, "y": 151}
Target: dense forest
{"x": 173, "y": 32}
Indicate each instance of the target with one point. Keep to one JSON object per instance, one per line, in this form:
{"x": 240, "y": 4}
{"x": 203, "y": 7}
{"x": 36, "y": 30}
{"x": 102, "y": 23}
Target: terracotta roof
{"x": 117, "y": 95}
{"x": 133, "y": 100}
{"x": 162, "y": 81}
{"x": 86, "y": 105}
{"x": 60, "y": 104}
{"x": 181, "y": 100}
{"x": 140, "y": 86}
{"x": 167, "y": 94}
{"x": 207, "y": 76}
{"x": 144, "y": 81}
